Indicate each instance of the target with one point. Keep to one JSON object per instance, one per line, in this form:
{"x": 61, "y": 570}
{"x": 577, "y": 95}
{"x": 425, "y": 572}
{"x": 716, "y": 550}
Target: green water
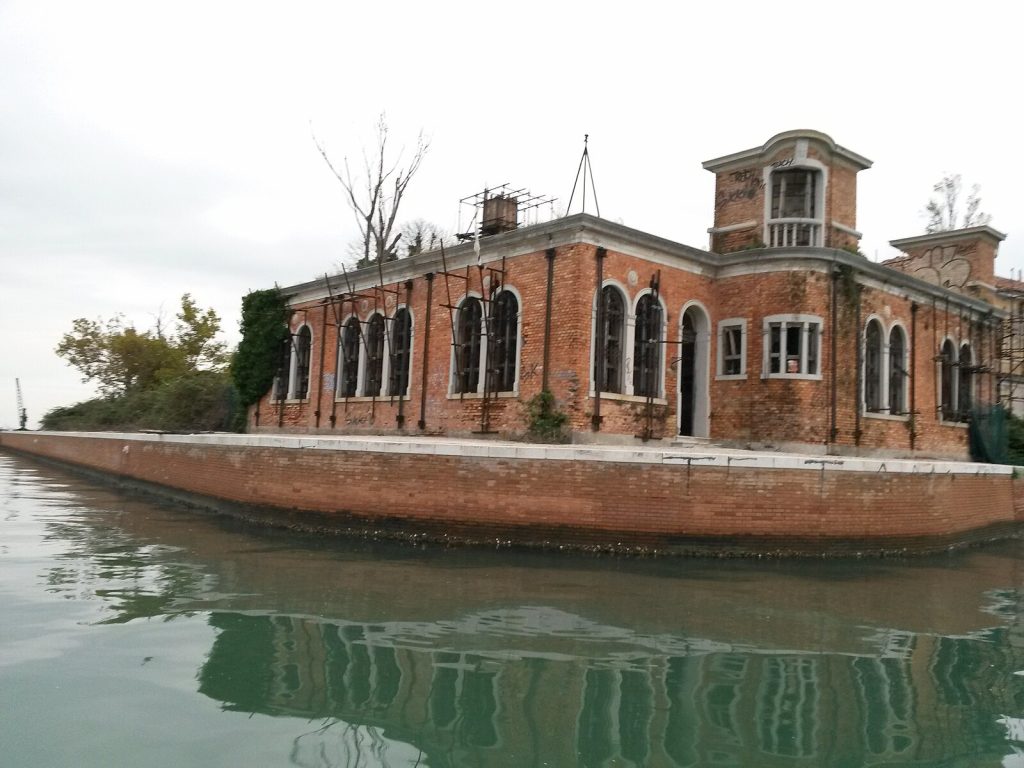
{"x": 138, "y": 634}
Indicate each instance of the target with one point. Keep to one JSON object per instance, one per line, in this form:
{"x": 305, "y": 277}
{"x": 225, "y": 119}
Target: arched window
{"x": 947, "y": 381}
{"x": 467, "y": 346}
{"x": 401, "y": 353}
{"x": 647, "y": 348}
{"x": 897, "y": 371}
{"x": 965, "y": 393}
{"x": 608, "y": 367}
{"x": 374, "y": 375}
{"x": 873, "y": 367}
{"x": 504, "y": 340}
{"x": 284, "y": 356}
{"x": 348, "y": 358}
{"x": 300, "y": 370}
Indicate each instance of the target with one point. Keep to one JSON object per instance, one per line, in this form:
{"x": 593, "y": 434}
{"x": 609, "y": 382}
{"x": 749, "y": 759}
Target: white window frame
{"x": 389, "y": 351}
{"x": 631, "y": 347}
{"x": 797, "y": 164}
{"x": 339, "y": 362}
{"x": 723, "y": 326}
{"x": 485, "y": 307}
{"x": 806, "y": 322}
{"x": 293, "y": 364}
{"x": 625, "y": 369}
{"x": 364, "y": 357}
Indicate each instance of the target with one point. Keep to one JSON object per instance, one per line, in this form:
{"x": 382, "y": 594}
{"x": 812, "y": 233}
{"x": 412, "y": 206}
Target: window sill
{"x": 960, "y": 424}
{"x": 628, "y": 398}
{"x": 885, "y": 416}
{"x": 291, "y": 401}
{"x": 480, "y": 396}
{"x": 731, "y": 377}
{"x": 370, "y": 399}
{"x": 793, "y": 376}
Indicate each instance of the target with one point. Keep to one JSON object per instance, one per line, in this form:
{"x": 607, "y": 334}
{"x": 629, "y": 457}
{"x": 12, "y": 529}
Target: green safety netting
{"x": 988, "y": 434}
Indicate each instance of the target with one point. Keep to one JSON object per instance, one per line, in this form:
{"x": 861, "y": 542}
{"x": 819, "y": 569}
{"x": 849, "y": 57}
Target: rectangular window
{"x": 792, "y": 346}
{"x": 732, "y": 347}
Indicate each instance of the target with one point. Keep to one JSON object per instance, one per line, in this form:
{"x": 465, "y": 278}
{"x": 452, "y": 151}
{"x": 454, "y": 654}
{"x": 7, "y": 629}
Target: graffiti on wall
{"x": 946, "y": 265}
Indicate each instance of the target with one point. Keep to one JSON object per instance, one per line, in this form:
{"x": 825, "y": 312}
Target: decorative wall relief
{"x": 946, "y": 266}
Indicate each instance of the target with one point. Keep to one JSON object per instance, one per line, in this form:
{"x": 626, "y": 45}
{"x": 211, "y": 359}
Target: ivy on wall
{"x": 264, "y": 329}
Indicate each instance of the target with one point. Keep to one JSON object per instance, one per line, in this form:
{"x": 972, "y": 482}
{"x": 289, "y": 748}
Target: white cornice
{"x": 948, "y": 236}
{"x": 760, "y": 153}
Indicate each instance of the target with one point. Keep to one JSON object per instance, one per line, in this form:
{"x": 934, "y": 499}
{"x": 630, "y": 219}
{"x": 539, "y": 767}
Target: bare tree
{"x": 943, "y": 212}
{"x": 375, "y": 199}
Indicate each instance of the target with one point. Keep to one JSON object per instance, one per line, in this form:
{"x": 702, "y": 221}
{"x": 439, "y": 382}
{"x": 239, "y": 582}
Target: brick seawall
{"x": 629, "y": 499}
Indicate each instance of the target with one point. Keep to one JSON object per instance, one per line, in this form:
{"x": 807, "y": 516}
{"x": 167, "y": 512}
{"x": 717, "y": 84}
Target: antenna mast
{"x": 584, "y": 169}
{"x": 22, "y": 413}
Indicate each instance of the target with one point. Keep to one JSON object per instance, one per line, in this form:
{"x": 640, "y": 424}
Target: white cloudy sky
{"x": 148, "y": 149}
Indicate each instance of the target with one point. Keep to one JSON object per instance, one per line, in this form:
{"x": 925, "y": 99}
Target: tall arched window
{"x": 873, "y": 367}
{"x": 504, "y": 340}
{"x": 647, "y": 348}
{"x": 608, "y": 360}
{"x": 300, "y": 370}
{"x": 401, "y": 353}
{"x": 467, "y": 346}
{"x": 284, "y": 356}
{"x": 947, "y": 381}
{"x": 897, "y": 371}
{"x": 348, "y": 358}
{"x": 373, "y": 378}
{"x": 965, "y": 392}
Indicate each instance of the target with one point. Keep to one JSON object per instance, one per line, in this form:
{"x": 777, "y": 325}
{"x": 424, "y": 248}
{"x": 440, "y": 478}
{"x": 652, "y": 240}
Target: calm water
{"x": 136, "y": 634}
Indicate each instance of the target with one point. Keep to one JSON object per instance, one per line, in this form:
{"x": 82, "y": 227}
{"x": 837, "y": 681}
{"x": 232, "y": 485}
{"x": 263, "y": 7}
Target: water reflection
{"x": 395, "y": 656}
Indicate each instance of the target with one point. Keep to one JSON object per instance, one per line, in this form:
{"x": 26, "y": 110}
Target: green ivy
{"x": 545, "y": 420}
{"x": 264, "y": 329}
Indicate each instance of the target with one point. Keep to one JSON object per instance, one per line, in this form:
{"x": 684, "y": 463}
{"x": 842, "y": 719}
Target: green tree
{"x": 120, "y": 359}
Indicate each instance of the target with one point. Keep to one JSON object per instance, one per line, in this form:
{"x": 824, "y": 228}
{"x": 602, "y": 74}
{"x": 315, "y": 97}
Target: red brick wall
{"x": 580, "y": 502}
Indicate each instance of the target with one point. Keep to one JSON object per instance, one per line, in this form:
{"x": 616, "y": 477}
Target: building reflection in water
{"x": 699, "y": 707}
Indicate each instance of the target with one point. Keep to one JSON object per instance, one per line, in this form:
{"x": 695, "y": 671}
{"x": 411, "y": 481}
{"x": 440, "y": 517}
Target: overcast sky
{"x": 152, "y": 149}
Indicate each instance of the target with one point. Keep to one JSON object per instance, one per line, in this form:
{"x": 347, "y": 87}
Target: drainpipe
{"x": 913, "y": 373}
{"x": 400, "y": 418}
{"x": 320, "y": 377}
{"x": 599, "y": 342}
{"x": 857, "y": 396}
{"x": 422, "y": 423}
{"x": 550, "y": 254}
{"x": 834, "y": 330}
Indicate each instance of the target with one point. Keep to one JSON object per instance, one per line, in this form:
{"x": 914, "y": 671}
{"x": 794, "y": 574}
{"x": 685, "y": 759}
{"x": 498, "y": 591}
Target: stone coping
{"x": 710, "y": 456}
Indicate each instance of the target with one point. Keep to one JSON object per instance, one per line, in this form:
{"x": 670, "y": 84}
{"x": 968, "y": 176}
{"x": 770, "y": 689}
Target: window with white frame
{"x": 468, "y": 332}
{"x": 792, "y": 346}
{"x": 795, "y": 215}
{"x": 401, "y": 353}
{"x": 503, "y": 342}
{"x": 647, "y": 348}
{"x": 884, "y": 371}
{"x": 965, "y": 388}
{"x": 283, "y": 378}
{"x": 301, "y": 359}
{"x": 348, "y": 358}
{"x": 898, "y": 373}
{"x": 610, "y": 346}
{"x": 373, "y": 376}
{"x": 947, "y": 381}
{"x": 874, "y": 373}
{"x": 732, "y": 348}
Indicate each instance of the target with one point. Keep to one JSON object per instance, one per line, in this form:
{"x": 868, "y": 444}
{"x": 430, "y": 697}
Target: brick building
{"x": 780, "y": 335}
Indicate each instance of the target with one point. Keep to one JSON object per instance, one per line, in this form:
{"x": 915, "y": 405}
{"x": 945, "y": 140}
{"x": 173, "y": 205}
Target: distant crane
{"x": 22, "y": 413}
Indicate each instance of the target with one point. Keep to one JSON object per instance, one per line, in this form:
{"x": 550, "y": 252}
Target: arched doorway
{"x": 692, "y": 372}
